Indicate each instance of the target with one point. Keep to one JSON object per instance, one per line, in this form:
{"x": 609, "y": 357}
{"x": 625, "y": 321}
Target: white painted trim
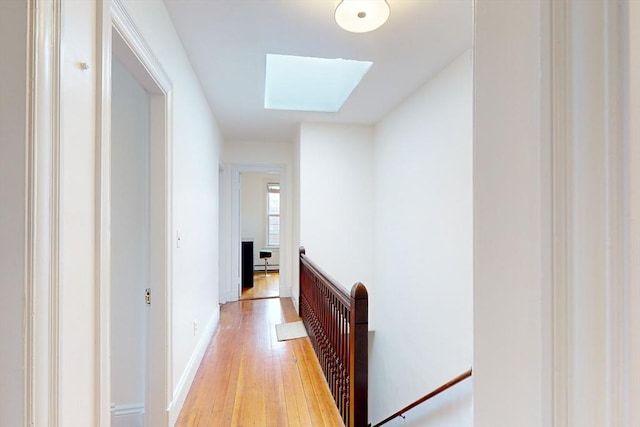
{"x": 103, "y": 220}
{"x": 124, "y": 24}
{"x": 589, "y": 317}
{"x": 127, "y": 409}
{"x": 224, "y": 242}
{"x": 632, "y": 223}
{"x": 561, "y": 209}
{"x": 42, "y": 321}
{"x": 615, "y": 253}
{"x": 184, "y": 384}
{"x": 161, "y": 201}
{"x": 115, "y": 23}
{"x": 546, "y": 219}
{"x": 169, "y": 230}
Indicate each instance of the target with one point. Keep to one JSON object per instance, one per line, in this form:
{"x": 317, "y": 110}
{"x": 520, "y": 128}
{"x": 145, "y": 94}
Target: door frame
{"x": 117, "y": 31}
{"x": 235, "y": 285}
{"x": 632, "y": 212}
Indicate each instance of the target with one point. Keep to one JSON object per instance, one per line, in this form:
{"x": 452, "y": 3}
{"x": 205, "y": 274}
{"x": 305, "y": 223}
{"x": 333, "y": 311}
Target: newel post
{"x": 358, "y": 356}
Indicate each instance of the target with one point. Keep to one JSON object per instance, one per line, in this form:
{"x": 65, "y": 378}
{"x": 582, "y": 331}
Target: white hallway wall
{"x": 392, "y": 207}
{"x": 336, "y": 200}
{"x": 508, "y": 235}
{"x": 509, "y": 200}
{"x": 423, "y": 252}
{"x": 78, "y": 358}
{"x": 13, "y": 91}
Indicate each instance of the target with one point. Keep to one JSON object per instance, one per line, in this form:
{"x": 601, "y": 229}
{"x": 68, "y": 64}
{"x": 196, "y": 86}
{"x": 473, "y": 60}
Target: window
{"x": 273, "y": 214}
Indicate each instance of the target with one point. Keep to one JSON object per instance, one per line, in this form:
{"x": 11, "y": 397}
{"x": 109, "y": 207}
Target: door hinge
{"x": 147, "y": 296}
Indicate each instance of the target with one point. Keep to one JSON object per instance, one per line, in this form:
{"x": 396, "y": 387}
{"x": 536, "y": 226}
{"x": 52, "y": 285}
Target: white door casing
{"x": 118, "y": 32}
{"x": 42, "y": 288}
{"x": 235, "y": 287}
{"x": 592, "y": 323}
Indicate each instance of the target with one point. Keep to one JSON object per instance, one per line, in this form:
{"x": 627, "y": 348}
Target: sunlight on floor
{"x": 263, "y": 286}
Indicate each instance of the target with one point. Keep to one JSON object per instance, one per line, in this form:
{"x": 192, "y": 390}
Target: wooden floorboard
{"x": 264, "y": 286}
{"x": 248, "y": 378}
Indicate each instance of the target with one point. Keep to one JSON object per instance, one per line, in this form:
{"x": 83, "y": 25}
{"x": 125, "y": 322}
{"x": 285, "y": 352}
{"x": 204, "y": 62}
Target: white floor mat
{"x": 290, "y": 331}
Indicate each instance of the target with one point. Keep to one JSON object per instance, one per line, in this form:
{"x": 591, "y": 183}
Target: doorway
{"x": 260, "y": 235}
{"x": 136, "y": 176}
{"x": 130, "y": 246}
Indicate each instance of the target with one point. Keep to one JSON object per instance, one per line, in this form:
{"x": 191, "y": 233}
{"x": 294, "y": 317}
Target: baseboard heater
{"x": 271, "y": 267}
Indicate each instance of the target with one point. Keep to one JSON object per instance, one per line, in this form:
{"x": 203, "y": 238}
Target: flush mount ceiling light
{"x": 361, "y": 16}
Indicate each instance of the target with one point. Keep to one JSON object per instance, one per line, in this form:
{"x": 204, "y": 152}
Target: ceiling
{"x": 227, "y": 42}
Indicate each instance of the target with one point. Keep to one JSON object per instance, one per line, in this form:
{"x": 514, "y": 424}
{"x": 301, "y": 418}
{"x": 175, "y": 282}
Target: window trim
{"x": 270, "y": 190}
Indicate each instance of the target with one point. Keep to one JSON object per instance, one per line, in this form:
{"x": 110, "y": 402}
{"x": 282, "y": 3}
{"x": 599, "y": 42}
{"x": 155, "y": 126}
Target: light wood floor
{"x": 248, "y": 378}
{"x": 263, "y": 286}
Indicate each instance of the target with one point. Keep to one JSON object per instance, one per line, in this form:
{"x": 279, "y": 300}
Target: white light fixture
{"x": 361, "y": 16}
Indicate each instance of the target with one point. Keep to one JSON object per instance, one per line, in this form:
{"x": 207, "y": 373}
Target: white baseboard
{"x": 127, "y": 409}
{"x": 183, "y": 386}
{"x": 127, "y": 415}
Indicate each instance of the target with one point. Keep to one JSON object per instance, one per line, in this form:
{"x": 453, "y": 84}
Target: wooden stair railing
{"x": 423, "y": 399}
{"x": 337, "y": 324}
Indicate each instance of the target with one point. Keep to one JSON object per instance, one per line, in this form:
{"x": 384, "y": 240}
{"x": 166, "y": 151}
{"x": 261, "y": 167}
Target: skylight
{"x": 301, "y": 83}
